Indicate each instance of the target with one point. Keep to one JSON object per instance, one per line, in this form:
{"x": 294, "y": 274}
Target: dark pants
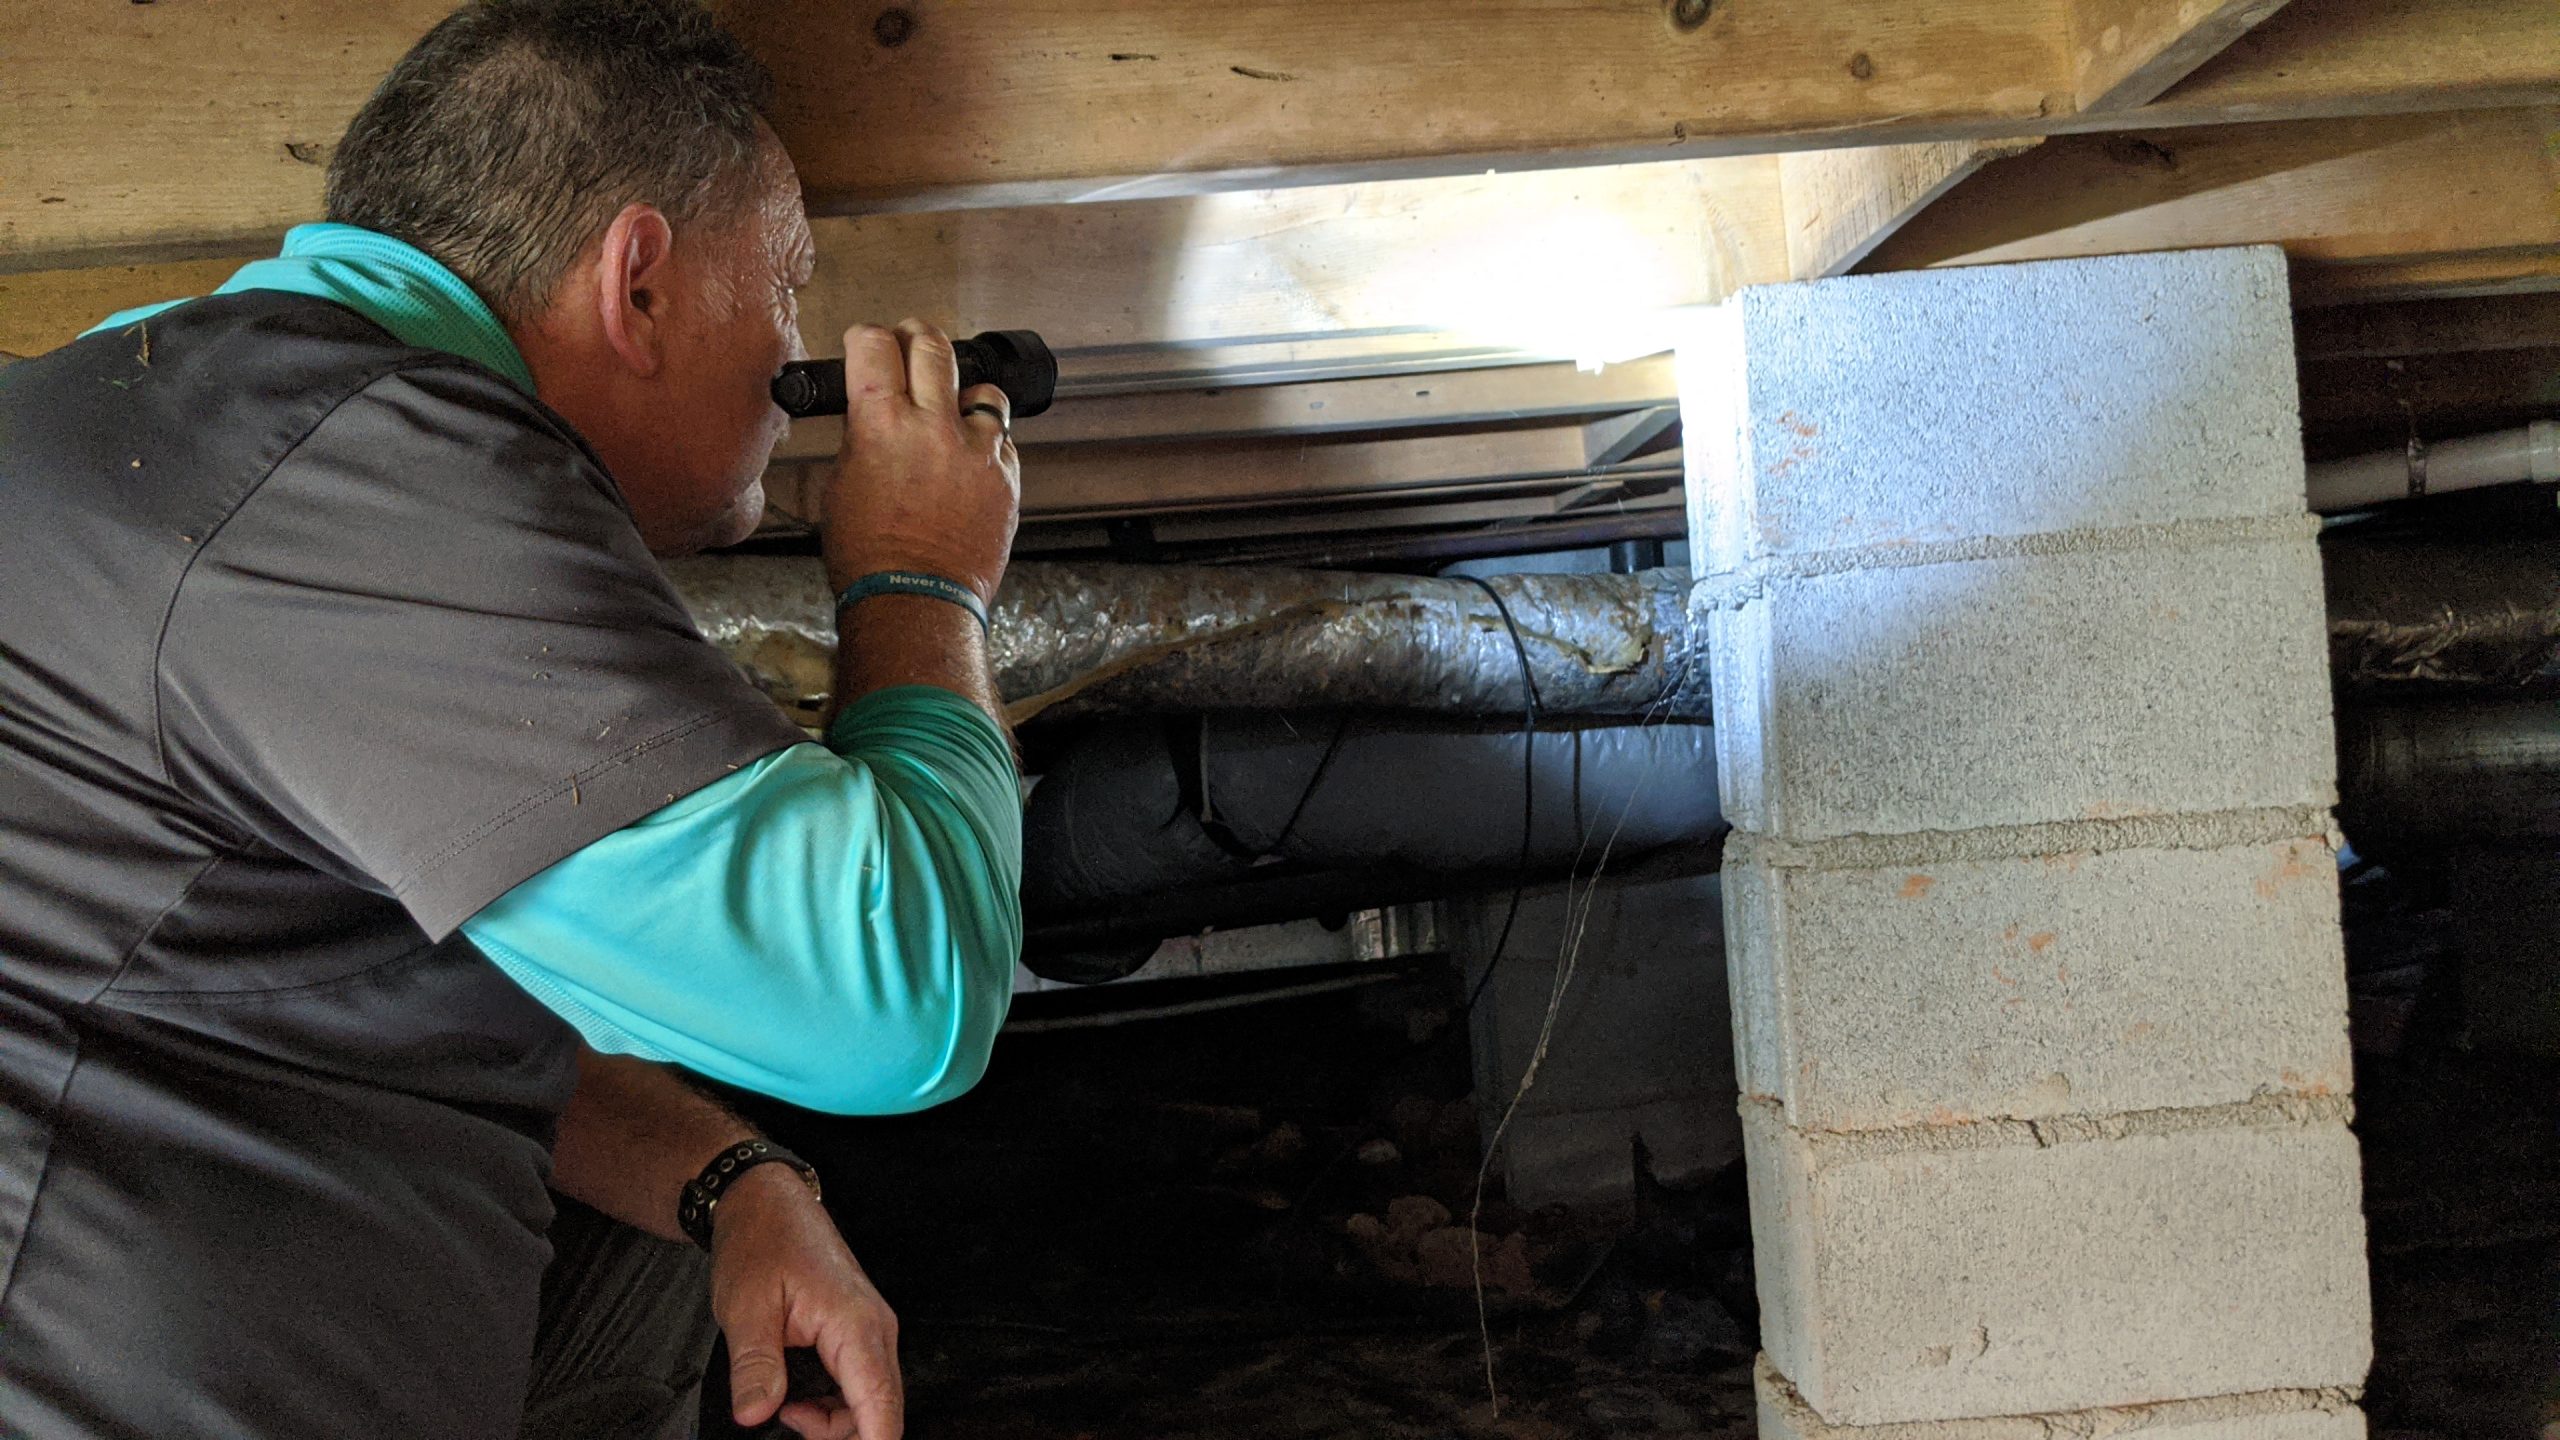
{"x": 624, "y": 1335}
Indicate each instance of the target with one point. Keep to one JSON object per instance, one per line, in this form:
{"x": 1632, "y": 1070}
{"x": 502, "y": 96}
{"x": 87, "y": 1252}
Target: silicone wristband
{"x": 913, "y": 582}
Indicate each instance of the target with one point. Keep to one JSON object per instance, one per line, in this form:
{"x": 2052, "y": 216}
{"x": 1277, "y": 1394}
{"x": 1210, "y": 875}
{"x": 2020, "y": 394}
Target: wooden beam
{"x": 2381, "y": 207}
{"x": 41, "y": 310}
{"x": 2428, "y": 327}
{"x": 2125, "y": 52}
{"x": 1841, "y": 204}
{"x": 2328, "y": 59}
{"x": 2352, "y": 403}
{"x": 184, "y": 130}
{"x": 1153, "y": 291}
{"x": 1494, "y": 395}
{"x": 1072, "y": 482}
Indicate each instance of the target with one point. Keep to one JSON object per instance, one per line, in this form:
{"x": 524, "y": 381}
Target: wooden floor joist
{"x": 2373, "y": 208}
{"x": 181, "y": 130}
{"x": 2125, "y": 52}
{"x": 1841, "y": 204}
{"x": 1198, "y": 285}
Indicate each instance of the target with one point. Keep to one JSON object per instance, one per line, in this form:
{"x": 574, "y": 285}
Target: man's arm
{"x": 631, "y": 1137}
{"x": 847, "y": 926}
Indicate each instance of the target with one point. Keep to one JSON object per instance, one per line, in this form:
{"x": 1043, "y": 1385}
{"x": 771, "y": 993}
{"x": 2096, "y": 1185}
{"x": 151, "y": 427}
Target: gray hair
{"x": 515, "y": 131}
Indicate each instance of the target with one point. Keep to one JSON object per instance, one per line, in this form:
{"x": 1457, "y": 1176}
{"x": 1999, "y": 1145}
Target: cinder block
{"x": 1995, "y": 401}
{"x": 1917, "y": 1277}
{"x": 2051, "y": 985}
{"x": 2026, "y": 689}
{"x": 1785, "y": 1416}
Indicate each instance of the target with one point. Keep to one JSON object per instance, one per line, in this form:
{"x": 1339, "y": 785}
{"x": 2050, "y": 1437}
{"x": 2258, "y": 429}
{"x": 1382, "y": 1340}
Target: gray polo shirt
{"x": 311, "y": 644}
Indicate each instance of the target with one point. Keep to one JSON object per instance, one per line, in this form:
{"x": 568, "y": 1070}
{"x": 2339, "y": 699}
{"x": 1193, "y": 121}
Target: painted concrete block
{"x": 1641, "y": 1047}
{"x": 2048, "y": 985}
{"x": 2026, "y": 689}
{"x": 1785, "y": 1416}
{"x": 1995, "y": 401}
{"x": 1919, "y": 1276}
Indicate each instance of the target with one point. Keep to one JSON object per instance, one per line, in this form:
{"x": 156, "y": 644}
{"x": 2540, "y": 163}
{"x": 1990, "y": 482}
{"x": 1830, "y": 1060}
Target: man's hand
{"x": 781, "y": 1277}
{"x": 927, "y": 478}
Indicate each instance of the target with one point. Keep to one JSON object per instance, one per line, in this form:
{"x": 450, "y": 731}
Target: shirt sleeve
{"x": 427, "y": 652}
{"x": 837, "y": 930}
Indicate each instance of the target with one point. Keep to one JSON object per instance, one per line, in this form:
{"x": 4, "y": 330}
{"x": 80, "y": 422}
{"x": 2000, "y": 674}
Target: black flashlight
{"x": 1016, "y": 362}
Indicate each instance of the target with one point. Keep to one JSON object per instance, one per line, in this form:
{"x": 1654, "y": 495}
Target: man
{"x": 356, "y": 760}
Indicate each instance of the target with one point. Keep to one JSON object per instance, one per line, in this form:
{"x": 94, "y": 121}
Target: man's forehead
{"x": 785, "y": 216}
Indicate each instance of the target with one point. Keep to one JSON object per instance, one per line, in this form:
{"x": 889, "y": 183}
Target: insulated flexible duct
{"x": 1146, "y": 807}
{"x": 2415, "y": 610}
{"x": 1100, "y": 638}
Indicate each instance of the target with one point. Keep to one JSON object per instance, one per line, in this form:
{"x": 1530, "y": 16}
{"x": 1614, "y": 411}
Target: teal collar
{"x": 390, "y": 282}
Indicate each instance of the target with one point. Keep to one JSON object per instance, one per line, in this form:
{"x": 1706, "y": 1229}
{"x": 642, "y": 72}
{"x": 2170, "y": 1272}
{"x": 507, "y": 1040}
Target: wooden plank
{"x": 2125, "y": 52}
{"x": 1841, "y": 204}
{"x": 2324, "y": 59}
{"x": 2353, "y": 403}
{"x": 1468, "y": 397}
{"x": 180, "y": 130}
{"x": 1525, "y": 260}
{"x": 1663, "y": 493}
{"x": 1500, "y": 263}
{"x": 1084, "y": 480}
{"x": 2380, "y": 206}
{"x": 1059, "y": 100}
{"x": 43, "y": 309}
{"x": 2428, "y": 327}
{"x": 143, "y": 131}
{"x": 1068, "y": 482}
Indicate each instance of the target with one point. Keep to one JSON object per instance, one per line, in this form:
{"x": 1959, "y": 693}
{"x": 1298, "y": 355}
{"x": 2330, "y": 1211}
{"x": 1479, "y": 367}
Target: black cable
{"x": 1196, "y": 792}
{"x": 1529, "y": 707}
{"x": 1324, "y": 762}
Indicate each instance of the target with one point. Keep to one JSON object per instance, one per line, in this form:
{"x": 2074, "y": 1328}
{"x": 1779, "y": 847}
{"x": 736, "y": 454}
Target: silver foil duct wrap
{"x": 1088, "y": 638}
{"x": 2429, "y": 611}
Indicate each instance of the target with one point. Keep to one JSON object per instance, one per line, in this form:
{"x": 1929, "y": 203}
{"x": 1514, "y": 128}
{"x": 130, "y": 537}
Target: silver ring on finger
{"x": 983, "y": 408}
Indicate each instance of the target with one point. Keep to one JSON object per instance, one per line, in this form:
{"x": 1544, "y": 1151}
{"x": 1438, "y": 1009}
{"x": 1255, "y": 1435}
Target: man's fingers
{"x": 875, "y": 363}
{"x": 987, "y": 414}
{"x": 826, "y": 1419}
{"x": 757, "y": 1379}
{"x": 933, "y": 368}
{"x": 864, "y": 1360}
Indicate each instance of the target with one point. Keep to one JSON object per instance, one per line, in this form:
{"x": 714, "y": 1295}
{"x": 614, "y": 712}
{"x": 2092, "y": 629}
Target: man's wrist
{"x": 757, "y": 1192}
{"x": 736, "y": 1171}
{"x": 922, "y": 584}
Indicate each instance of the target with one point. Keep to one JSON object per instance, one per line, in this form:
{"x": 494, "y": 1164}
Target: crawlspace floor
{"x": 1250, "y": 1225}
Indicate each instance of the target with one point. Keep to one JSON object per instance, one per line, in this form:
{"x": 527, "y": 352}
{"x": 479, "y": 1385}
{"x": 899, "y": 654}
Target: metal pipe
{"x": 2529, "y": 454}
{"x": 1083, "y": 638}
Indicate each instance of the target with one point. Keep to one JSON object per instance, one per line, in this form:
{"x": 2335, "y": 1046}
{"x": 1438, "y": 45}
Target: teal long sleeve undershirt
{"x": 837, "y": 930}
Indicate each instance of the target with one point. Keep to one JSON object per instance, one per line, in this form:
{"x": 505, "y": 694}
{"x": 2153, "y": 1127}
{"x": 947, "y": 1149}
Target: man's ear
{"x": 634, "y": 280}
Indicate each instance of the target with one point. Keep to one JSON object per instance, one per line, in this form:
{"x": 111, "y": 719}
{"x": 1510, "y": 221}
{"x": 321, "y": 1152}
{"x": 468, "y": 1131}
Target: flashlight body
{"x": 1017, "y": 362}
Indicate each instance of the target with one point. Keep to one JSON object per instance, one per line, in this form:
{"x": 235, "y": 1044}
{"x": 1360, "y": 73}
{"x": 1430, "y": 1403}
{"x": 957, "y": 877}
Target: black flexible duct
{"x": 2449, "y": 770}
{"x": 1139, "y": 808}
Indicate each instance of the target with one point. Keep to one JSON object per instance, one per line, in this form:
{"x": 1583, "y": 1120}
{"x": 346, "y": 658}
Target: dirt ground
{"x": 1251, "y": 1225}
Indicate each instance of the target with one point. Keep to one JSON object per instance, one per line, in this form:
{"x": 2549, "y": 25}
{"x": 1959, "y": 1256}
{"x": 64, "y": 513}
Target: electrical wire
{"x": 1529, "y": 708}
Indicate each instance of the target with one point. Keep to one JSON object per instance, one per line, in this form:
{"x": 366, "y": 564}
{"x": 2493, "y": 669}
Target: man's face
{"x": 734, "y": 323}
